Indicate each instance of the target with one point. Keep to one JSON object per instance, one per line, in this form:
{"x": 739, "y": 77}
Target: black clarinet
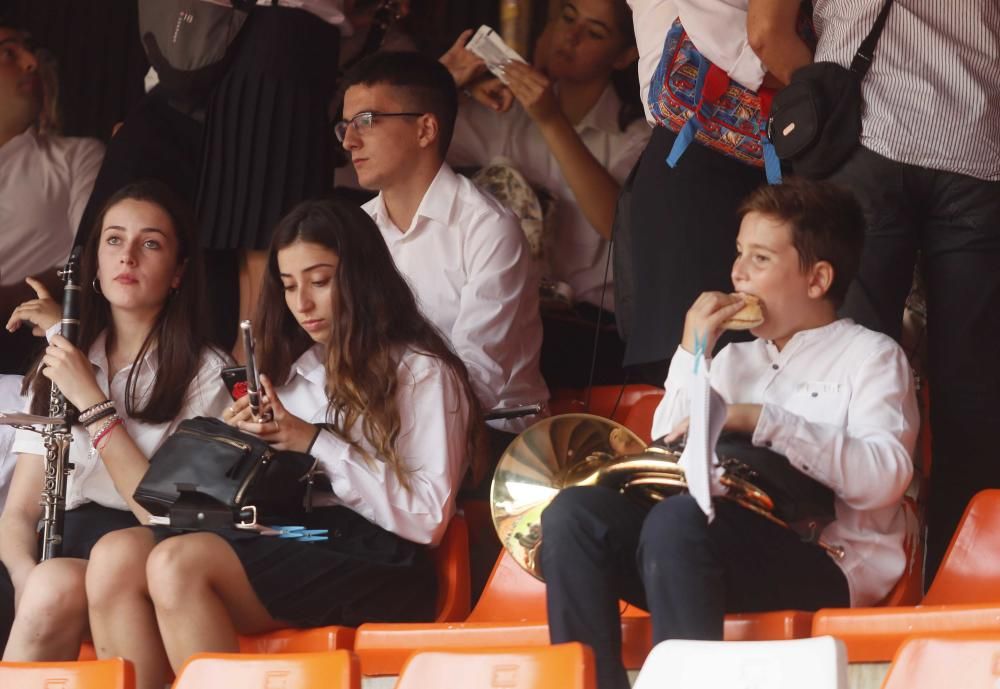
{"x": 58, "y": 436}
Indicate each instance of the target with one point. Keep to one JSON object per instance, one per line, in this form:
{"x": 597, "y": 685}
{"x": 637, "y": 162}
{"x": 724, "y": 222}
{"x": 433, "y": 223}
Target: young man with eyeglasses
{"x": 463, "y": 254}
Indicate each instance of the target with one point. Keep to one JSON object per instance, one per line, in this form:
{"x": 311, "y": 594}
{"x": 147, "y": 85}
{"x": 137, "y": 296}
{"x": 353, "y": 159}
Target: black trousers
{"x": 951, "y": 223}
{"x": 600, "y": 546}
{"x": 681, "y": 242}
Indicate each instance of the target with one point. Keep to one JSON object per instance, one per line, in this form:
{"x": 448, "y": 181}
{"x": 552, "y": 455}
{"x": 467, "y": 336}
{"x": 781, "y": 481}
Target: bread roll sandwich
{"x": 750, "y": 316}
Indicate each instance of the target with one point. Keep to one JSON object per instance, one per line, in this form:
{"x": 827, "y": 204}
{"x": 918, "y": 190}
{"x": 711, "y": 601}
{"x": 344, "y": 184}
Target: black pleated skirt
{"x": 267, "y": 137}
{"x": 363, "y": 573}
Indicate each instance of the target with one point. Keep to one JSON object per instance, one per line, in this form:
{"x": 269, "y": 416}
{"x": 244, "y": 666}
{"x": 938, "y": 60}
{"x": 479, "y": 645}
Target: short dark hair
{"x": 827, "y": 225}
{"x": 426, "y": 83}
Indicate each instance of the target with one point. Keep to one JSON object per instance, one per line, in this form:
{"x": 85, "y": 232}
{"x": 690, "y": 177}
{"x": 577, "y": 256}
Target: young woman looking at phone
{"x": 355, "y": 376}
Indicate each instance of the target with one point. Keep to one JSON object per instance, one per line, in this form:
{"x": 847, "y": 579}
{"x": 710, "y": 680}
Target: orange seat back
{"x": 452, "y": 560}
{"x": 640, "y": 416}
{"x": 511, "y": 595}
{"x": 329, "y": 670}
{"x": 610, "y": 401}
{"x": 567, "y": 666}
{"x": 966, "y": 661}
{"x": 114, "y": 673}
{"x": 970, "y": 570}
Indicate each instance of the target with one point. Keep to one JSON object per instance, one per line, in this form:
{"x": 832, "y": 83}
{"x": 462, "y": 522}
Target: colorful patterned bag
{"x": 695, "y": 98}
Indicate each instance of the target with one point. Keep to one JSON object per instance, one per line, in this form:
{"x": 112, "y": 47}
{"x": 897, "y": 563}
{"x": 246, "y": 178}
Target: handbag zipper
{"x": 265, "y": 458}
{"x": 221, "y": 438}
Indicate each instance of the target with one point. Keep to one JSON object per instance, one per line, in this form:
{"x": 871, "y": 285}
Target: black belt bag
{"x": 815, "y": 121}
{"x": 211, "y": 475}
{"x": 803, "y": 503}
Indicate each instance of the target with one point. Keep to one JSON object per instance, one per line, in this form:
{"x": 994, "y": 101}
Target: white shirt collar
{"x": 437, "y": 203}
{"x": 802, "y": 337}
{"x": 310, "y": 366}
{"x": 603, "y": 116}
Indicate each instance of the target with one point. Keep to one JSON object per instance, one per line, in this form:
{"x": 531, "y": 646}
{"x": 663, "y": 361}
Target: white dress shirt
{"x": 839, "y": 402}
{"x": 45, "y": 182}
{"x": 90, "y": 480}
{"x": 932, "y": 95}
{"x": 579, "y": 256}
{"x": 434, "y": 418}
{"x": 718, "y": 28}
{"x": 467, "y": 262}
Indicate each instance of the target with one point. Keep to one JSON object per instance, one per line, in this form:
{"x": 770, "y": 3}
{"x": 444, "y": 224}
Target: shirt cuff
{"x": 331, "y": 453}
{"x": 776, "y": 430}
{"x": 681, "y": 369}
{"x": 748, "y": 70}
{"x": 52, "y": 331}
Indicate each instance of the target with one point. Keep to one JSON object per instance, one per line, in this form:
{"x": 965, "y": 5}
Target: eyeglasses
{"x": 363, "y": 122}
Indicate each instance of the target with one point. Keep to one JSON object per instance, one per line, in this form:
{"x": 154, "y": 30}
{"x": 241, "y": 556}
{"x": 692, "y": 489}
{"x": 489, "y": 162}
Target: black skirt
{"x": 267, "y": 137}
{"x": 363, "y": 573}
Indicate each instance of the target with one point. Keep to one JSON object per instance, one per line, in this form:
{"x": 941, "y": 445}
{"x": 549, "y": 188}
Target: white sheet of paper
{"x": 708, "y": 416}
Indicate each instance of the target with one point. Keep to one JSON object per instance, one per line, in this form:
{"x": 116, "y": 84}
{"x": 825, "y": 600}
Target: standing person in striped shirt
{"x": 928, "y": 175}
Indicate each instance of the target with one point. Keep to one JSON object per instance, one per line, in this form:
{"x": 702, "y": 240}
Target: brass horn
{"x": 571, "y": 450}
{"x": 585, "y": 450}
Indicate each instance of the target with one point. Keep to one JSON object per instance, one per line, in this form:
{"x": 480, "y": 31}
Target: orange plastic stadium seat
{"x": 604, "y": 400}
{"x": 964, "y": 596}
{"x": 969, "y": 661}
{"x": 639, "y": 419}
{"x": 567, "y": 666}
{"x": 328, "y": 670}
{"x": 511, "y": 612}
{"x": 114, "y": 673}
{"x": 452, "y": 559}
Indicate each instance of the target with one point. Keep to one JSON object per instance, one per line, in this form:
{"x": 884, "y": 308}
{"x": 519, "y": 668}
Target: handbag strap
{"x": 866, "y": 53}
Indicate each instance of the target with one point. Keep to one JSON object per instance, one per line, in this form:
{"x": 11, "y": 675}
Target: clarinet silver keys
{"x": 58, "y": 436}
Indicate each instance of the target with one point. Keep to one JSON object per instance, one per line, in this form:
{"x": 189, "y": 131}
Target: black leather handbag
{"x": 208, "y": 474}
{"x": 815, "y": 121}
{"x": 802, "y": 502}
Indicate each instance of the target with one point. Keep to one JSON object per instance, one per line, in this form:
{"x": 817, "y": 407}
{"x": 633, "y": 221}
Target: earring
{"x": 97, "y": 287}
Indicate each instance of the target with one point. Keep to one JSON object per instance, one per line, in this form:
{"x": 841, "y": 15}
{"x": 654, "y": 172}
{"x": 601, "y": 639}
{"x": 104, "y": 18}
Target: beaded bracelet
{"x": 86, "y": 414}
{"x": 98, "y": 415}
{"x": 111, "y": 422}
{"x": 102, "y": 440}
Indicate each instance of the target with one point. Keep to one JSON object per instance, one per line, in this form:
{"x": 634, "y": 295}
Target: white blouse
{"x": 839, "y": 402}
{"x": 90, "y": 481}
{"x": 434, "y": 416}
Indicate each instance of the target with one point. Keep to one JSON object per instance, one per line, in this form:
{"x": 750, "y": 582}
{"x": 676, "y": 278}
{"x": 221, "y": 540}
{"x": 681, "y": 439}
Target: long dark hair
{"x": 179, "y": 331}
{"x": 375, "y": 320}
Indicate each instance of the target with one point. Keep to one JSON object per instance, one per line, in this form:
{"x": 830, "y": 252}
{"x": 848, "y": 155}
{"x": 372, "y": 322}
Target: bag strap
{"x": 866, "y": 53}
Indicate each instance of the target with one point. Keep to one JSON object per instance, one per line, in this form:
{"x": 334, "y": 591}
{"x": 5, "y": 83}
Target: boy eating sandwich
{"x": 834, "y": 398}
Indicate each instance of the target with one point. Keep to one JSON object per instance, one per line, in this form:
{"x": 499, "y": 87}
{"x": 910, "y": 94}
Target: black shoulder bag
{"x": 815, "y": 121}
{"x": 209, "y": 475}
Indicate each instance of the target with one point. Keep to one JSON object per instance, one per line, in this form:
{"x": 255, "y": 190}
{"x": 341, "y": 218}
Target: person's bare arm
{"x": 592, "y": 185}
{"x": 771, "y": 32}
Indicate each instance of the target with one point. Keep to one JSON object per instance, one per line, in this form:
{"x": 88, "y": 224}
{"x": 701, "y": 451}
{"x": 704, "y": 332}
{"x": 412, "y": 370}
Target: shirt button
{"x": 805, "y": 468}
{"x": 767, "y": 443}
{"x": 774, "y": 366}
{"x": 815, "y": 394}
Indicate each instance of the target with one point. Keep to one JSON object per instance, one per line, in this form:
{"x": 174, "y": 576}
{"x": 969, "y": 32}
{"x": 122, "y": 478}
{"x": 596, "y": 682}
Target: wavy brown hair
{"x": 179, "y": 332}
{"x": 375, "y": 320}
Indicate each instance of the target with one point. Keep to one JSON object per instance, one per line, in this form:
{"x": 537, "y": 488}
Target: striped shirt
{"x": 932, "y": 96}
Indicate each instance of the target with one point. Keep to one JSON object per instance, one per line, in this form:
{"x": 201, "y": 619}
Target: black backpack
{"x": 189, "y": 44}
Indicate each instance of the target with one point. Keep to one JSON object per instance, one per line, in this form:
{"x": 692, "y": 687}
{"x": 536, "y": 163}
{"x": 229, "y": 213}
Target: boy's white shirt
{"x": 839, "y": 402}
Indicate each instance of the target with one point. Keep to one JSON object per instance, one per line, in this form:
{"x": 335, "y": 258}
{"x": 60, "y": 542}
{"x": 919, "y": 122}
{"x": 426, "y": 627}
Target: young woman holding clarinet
{"x": 353, "y": 375}
{"x": 141, "y": 364}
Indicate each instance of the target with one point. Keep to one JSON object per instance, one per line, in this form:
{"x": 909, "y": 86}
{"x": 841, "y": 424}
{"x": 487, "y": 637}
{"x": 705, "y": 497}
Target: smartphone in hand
{"x": 235, "y": 379}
